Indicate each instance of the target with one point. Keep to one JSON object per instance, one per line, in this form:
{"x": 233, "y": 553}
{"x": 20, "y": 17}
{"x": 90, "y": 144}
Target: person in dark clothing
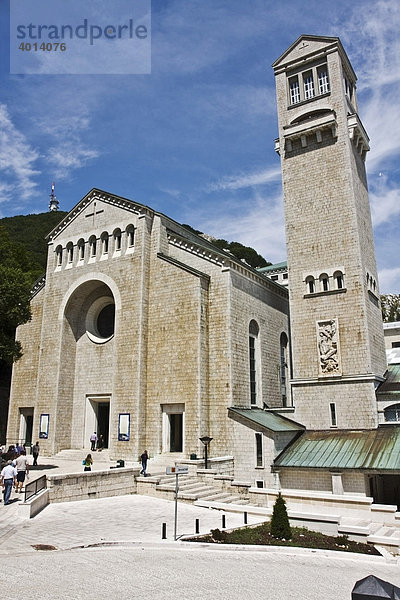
{"x": 144, "y": 458}
{"x": 35, "y": 453}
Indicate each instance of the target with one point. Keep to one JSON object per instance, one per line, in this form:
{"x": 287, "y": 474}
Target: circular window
{"x": 100, "y": 320}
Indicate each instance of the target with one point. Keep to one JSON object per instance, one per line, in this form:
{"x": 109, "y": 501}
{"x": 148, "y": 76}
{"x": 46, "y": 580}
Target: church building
{"x": 151, "y": 336}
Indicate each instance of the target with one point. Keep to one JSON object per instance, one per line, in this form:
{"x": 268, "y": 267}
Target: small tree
{"x": 280, "y": 527}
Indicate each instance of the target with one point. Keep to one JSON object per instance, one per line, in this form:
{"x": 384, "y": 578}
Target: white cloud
{"x": 236, "y": 182}
{"x": 385, "y": 203}
{"x": 68, "y": 156}
{"x": 17, "y": 161}
{"x": 260, "y": 226}
{"x": 389, "y": 280}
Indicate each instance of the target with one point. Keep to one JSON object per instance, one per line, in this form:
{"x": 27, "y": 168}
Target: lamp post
{"x": 205, "y": 440}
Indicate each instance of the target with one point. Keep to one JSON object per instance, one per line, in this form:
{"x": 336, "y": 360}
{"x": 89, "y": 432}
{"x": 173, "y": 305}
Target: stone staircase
{"x": 190, "y": 489}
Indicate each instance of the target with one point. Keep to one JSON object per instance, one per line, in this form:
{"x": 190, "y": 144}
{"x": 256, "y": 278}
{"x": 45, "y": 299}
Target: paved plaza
{"x": 113, "y": 547}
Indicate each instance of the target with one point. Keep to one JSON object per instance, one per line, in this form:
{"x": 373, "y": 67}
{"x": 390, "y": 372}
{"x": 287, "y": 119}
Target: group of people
{"x": 96, "y": 442}
{"x": 16, "y": 469}
{"x": 88, "y": 461}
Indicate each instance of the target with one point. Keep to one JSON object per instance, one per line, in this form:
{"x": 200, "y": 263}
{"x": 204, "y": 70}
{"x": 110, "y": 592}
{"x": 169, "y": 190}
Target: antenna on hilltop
{"x": 53, "y": 204}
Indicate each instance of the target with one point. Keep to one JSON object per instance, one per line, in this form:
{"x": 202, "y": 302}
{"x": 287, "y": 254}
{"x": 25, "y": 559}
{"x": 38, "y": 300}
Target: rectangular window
{"x": 323, "y": 79}
{"x": 347, "y": 87}
{"x": 259, "y": 483}
{"x": 294, "y": 90}
{"x": 259, "y": 450}
{"x": 253, "y": 373}
{"x": 308, "y": 85}
{"x": 332, "y": 408}
{"x": 395, "y": 344}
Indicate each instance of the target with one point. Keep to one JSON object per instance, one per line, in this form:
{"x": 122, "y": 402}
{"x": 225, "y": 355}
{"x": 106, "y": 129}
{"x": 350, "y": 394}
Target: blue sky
{"x": 195, "y": 138}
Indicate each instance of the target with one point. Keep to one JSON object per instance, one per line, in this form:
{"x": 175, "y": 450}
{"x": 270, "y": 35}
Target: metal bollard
{"x": 164, "y": 531}
{"x": 223, "y": 522}
{"x": 245, "y": 518}
{"x": 197, "y": 525}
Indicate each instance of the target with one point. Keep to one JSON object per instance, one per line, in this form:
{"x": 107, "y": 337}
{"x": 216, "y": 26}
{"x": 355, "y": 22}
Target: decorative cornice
{"x": 38, "y": 285}
{"x": 124, "y": 203}
{"x": 227, "y": 263}
{"x": 358, "y": 134}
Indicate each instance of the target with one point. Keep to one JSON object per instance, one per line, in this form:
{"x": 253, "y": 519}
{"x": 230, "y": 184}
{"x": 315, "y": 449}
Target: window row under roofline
{"x": 309, "y": 84}
{"x": 86, "y": 251}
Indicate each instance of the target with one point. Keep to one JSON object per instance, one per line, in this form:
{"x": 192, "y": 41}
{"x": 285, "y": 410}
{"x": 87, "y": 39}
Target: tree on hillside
{"x": 390, "y": 304}
{"x": 15, "y": 283}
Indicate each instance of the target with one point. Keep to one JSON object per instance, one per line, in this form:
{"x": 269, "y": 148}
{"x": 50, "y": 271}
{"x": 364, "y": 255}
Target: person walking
{"x": 100, "y": 443}
{"x": 35, "y": 453}
{"x": 8, "y": 478}
{"x": 22, "y": 466}
{"x": 144, "y": 458}
{"x": 93, "y": 440}
{"x": 87, "y": 463}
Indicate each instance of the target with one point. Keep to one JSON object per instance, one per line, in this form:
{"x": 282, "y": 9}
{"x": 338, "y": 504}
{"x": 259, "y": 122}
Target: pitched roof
{"x": 265, "y": 419}
{"x": 376, "y": 449}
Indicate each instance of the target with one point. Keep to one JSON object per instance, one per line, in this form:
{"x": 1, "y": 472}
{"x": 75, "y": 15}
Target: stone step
{"x": 355, "y": 526}
{"x": 79, "y": 454}
{"x": 386, "y": 536}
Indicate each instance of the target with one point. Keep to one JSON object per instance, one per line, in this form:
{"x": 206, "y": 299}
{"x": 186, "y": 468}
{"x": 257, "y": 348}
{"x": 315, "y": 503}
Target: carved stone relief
{"x": 328, "y": 347}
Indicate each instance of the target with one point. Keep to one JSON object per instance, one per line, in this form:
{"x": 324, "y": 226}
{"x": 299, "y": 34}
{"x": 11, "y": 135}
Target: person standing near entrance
{"x": 22, "y": 466}
{"x": 8, "y": 478}
{"x": 144, "y": 458}
{"x": 35, "y": 452}
{"x": 93, "y": 440}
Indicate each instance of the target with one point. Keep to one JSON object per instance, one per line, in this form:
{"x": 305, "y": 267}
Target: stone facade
{"x": 173, "y": 358}
{"x": 330, "y": 249}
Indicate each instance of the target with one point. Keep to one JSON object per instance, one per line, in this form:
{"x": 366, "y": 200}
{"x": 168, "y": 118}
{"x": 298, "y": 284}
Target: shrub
{"x": 280, "y": 527}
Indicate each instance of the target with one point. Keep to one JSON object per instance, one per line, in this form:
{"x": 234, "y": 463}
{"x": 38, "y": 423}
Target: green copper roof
{"x": 263, "y": 418}
{"x": 392, "y": 381}
{"x": 366, "y": 449}
{"x": 275, "y": 267}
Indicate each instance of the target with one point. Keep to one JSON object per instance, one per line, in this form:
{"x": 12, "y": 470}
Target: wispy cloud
{"x": 385, "y": 201}
{"x": 261, "y": 226}
{"x": 68, "y": 151}
{"x": 17, "y": 161}
{"x": 242, "y": 181}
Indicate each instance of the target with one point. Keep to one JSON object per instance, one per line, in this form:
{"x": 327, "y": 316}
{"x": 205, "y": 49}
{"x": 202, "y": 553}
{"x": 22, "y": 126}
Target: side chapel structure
{"x": 152, "y": 336}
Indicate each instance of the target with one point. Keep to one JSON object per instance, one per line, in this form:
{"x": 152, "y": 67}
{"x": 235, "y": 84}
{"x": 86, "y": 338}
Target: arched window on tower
{"x": 324, "y": 282}
{"x": 254, "y": 362}
{"x": 310, "y": 283}
{"x": 339, "y": 281}
{"x": 284, "y": 369}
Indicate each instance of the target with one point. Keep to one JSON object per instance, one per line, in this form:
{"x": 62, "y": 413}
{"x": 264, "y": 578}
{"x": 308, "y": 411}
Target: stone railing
{"x": 93, "y": 484}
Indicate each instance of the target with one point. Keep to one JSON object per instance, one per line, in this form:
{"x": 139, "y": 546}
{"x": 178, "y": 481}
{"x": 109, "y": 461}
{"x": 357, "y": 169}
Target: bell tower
{"x": 337, "y": 333}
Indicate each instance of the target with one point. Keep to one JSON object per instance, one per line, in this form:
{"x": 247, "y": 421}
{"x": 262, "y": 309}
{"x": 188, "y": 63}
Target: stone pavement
{"x": 113, "y": 547}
